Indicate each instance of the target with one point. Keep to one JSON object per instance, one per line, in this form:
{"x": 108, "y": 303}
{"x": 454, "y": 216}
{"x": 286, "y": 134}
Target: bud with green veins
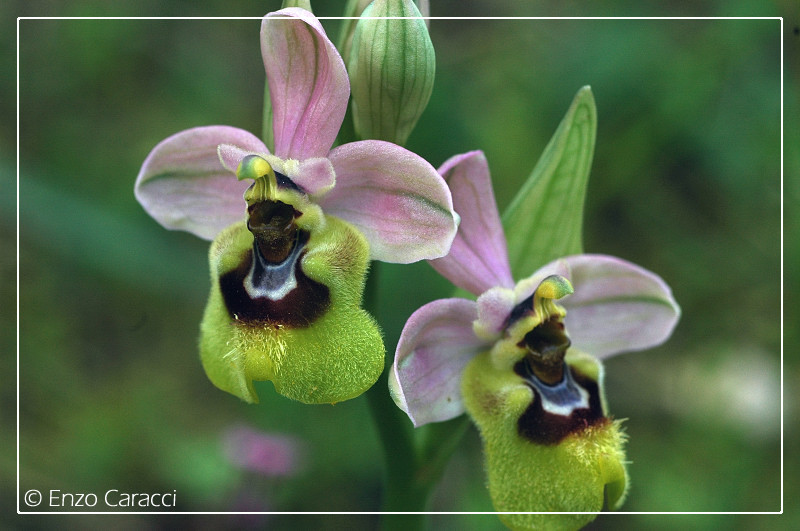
{"x": 392, "y": 66}
{"x": 352, "y": 12}
{"x": 540, "y": 409}
{"x": 285, "y": 299}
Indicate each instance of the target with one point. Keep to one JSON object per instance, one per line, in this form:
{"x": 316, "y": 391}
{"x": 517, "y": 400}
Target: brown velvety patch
{"x": 297, "y": 309}
{"x": 542, "y": 427}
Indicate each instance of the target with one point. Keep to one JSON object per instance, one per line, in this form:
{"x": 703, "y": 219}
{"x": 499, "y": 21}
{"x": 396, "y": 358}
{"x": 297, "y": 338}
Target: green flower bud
{"x": 548, "y": 447}
{"x": 285, "y": 301}
{"x": 352, "y": 11}
{"x": 391, "y": 66}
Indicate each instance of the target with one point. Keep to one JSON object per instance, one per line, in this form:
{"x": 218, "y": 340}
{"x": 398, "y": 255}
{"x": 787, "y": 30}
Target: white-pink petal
{"x": 494, "y": 306}
{"x": 395, "y": 198}
{"x": 436, "y": 344}
{"x": 183, "y": 185}
{"x": 617, "y": 306}
{"x": 314, "y": 176}
{"x": 478, "y": 259}
{"x": 308, "y": 83}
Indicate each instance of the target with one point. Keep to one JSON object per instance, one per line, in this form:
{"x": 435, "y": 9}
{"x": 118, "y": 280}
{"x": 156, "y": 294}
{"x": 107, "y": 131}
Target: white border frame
{"x": 34, "y": 512}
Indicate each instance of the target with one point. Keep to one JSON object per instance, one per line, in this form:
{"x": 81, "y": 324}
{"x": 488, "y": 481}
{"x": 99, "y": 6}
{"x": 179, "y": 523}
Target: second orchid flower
{"x": 523, "y": 360}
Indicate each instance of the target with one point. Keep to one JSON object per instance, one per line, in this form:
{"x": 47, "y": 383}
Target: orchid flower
{"x": 522, "y": 360}
{"x": 288, "y": 261}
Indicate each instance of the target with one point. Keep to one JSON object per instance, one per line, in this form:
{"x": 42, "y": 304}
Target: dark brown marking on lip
{"x": 298, "y": 308}
{"x": 545, "y": 428}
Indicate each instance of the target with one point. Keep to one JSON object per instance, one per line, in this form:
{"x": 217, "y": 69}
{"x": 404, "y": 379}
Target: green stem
{"x": 415, "y": 459}
{"x": 440, "y": 441}
{"x": 411, "y": 472}
{"x": 403, "y": 492}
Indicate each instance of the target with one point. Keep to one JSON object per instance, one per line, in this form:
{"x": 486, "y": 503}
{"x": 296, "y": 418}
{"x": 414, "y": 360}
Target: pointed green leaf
{"x": 544, "y": 220}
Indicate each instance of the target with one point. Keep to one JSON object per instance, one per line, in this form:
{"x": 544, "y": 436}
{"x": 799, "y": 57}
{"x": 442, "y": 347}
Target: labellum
{"x": 548, "y": 443}
{"x": 285, "y": 301}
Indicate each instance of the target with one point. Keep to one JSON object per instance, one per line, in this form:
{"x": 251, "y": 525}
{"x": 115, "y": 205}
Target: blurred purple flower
{"x": 264, "y": 453}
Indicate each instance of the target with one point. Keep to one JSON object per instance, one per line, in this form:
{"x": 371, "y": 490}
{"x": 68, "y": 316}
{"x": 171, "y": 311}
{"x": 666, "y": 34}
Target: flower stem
{"x": 415, "y": 459}
{"x": 411, "y": 470}
{"x": 403, "y": 492}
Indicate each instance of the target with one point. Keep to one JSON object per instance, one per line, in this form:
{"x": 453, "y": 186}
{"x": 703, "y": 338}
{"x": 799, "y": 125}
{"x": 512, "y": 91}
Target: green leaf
{"x": 544, "y": 220}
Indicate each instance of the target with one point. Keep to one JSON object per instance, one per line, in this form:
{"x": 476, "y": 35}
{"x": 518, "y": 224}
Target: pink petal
{"x": 183, "y": 185}
{"x": 398, "y": 200}
{"x": 315, "y": 176}
{"x": 436, "y": 344}
{"x": 617, "y": 306}
{"x": 478, "y": 259}
{"x": 308, "y": 83}
{"x": 494, "y": 307}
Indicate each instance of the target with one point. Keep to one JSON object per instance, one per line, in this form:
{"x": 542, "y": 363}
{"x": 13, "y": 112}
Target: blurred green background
{"x": 685, "y": 182}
